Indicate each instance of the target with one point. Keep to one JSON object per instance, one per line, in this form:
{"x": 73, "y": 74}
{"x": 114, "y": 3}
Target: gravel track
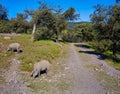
{"x": 83, "y": 80}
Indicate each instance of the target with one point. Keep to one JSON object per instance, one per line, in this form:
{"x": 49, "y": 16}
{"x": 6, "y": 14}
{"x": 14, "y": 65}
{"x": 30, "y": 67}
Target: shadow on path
{"x": 98, "y": 54}
{"x": 82, "y": 45}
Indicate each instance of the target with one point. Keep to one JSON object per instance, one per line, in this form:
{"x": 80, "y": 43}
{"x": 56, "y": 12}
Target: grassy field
{"x": 32, "y": 52}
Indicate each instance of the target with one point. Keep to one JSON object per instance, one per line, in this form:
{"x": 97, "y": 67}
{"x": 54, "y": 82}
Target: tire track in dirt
{"x": 83, "y": 80}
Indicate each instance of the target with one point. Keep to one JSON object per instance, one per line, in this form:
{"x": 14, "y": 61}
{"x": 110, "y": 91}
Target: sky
{"x": 84, "y": 7}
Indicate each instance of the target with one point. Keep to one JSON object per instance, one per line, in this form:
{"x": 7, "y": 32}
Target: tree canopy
{"x": 106, "y": 20}
{"x": 3, "y": 13}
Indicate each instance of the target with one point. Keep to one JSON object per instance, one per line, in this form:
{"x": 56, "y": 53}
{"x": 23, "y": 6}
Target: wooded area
{"x": 46, "y": 22}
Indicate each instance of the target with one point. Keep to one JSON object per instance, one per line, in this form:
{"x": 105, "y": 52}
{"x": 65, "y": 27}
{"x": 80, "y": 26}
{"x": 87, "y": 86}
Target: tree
{"x": 99, "y": 20}
{"x": 60, "y": 23}
{"x": 117, "y": 1}
{"x": 50, "y": 22}
{"x": 46, "y": 19}
{"x": 42, "y": 17}
{"x": 85, "y": 31}
{"x": 3, "y": 13}
{"x": 70, "y": 14}
{"x": 62, "y": 19}
{"x": 19, "y": 24}
{"x": 114, "y": 28}
{"x": 107, "y": 25}
{"x": 67, "y": 16}
{"x": 4, "y": 26}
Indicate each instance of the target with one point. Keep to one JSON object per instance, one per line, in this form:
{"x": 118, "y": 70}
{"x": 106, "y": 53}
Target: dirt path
{"x": 84, "y": 81}
{"x": 15, "y": 85}
{"x": 97, "y": 58}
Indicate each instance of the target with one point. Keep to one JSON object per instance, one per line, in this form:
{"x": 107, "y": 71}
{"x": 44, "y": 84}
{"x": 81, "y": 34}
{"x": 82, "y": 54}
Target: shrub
{"x": 70, "y": 37}
{"x": 103, "y": 45}
{"x": 42, "y": 33}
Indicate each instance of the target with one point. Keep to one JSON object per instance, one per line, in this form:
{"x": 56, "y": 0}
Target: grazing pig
{"x": 14, "y": 47}
{"x": 40, "y": 68}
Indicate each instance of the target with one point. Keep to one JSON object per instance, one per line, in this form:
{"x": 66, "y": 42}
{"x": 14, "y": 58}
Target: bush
{"x": 42, "y": 33}
{"x": 70, "y": 37}
{"x": 103, "y": 45}
{"x": 4, "y": 27}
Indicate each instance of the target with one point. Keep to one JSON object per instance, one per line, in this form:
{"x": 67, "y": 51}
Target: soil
{"x": 84, "y": 82}
{"x": 12, "y": 77}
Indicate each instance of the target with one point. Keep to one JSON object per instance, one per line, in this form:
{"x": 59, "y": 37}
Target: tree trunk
{"x": 33, "y": 32}
{"x": 114, "y": 50}
{"x": 56, "y": 38}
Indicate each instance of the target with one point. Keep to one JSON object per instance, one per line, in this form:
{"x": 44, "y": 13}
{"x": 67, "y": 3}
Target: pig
{"x": 40, "y": 67}
{"x": 14, "y": 47}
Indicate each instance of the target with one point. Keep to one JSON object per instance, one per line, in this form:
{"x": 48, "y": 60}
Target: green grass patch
{"x": 36, "y": 51}
{"x": 32, "y": 51}
{"x": 5, "y": 59}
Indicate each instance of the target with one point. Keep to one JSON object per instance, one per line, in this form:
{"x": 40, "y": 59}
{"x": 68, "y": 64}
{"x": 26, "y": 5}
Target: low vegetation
{"x": 44, "y": 49}
{"x": 37, "y": 51}
{"x": 32, "y": 52}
